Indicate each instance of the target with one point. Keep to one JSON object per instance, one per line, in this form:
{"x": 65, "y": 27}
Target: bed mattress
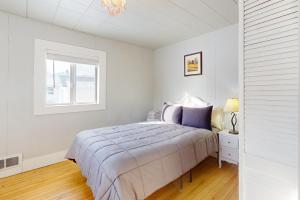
{"x": 130, "y": 162}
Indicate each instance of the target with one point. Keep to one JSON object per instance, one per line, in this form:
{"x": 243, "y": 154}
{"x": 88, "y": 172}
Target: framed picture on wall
{"x": 193, "y": 64}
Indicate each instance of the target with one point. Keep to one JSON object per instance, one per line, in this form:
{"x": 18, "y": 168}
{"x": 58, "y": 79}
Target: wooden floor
{"x": 63, "y": 181}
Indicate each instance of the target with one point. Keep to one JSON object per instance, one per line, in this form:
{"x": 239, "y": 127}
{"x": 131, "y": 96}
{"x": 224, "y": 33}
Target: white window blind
{"x": 71, "y": 59}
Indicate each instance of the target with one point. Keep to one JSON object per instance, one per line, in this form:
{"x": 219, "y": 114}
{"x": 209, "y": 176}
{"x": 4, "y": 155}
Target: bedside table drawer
{"x": 228, "y": 142}
{"x": 231, "y": 154}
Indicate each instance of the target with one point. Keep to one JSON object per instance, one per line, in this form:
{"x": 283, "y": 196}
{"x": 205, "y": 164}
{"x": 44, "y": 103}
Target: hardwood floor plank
{"x": 63, "y": 181}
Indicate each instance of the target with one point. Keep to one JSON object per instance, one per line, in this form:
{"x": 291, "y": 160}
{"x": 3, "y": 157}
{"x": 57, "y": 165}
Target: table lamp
{"x": 232, "y": 106}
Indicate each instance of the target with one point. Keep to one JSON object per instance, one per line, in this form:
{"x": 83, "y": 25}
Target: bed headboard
{"x": 193, "y": 101}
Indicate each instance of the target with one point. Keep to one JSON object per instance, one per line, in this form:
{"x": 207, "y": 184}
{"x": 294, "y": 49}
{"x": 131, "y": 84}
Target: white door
{"x": 269, "y": 77}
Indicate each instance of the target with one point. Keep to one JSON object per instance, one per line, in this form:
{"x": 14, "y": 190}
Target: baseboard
{"x": 35, "y": 163}
{"x": 10, "y": 171}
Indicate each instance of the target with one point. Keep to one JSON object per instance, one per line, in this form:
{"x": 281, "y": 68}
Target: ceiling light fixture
{"x": 114, "y": 7}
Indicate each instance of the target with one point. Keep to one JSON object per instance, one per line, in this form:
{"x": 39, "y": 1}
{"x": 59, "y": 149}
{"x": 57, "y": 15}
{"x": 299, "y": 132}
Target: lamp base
{"x": 234, "y": 132}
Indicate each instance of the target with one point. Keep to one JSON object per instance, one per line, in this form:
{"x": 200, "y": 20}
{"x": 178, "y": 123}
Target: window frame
{"x": 42, "y": 48}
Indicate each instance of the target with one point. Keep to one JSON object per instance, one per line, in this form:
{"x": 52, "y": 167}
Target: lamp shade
{"x": 232, "y": 105}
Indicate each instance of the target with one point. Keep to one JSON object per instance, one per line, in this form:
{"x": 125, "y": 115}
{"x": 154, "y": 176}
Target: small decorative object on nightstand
{"x": 228, "y": 147}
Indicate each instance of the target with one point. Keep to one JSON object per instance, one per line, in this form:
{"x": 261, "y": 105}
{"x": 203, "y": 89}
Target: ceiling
{"x": 148, "y": 23}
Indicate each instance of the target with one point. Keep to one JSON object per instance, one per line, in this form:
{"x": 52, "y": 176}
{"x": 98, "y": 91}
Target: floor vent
{"x": 1, "y": 164}
{"x": 13, "y": 161}
{"x": 10, "y": 161}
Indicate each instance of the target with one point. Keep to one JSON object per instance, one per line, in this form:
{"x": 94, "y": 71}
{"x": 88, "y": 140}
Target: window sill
{"x": 57, "y": 109}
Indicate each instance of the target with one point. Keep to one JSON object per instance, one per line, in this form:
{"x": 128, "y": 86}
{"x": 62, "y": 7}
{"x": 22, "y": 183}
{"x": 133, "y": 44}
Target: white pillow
{"x": 217, "y": 118}
{"x": 171, "y": 113}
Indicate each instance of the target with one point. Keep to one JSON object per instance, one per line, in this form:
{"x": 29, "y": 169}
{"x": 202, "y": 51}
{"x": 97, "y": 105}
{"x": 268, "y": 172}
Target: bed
{"x": 130, "y": 162}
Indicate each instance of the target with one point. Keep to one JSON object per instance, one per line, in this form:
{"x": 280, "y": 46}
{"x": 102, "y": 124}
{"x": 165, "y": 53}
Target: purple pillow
{"x": 171, "y": 113}
{"x": 197, "y": 117}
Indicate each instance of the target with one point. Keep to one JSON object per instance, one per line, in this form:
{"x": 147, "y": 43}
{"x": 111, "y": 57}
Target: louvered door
{"x": 270, "y": 90}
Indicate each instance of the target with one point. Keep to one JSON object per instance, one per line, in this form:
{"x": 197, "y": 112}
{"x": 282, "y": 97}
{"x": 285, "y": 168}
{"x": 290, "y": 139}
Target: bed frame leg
{"x": 181, "y": 183}
{"x": 191, "y": 176}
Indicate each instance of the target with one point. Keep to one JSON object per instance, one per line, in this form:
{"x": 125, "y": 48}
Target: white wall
{"x": 220, "y": 68}
{"x": 129, "y": 88}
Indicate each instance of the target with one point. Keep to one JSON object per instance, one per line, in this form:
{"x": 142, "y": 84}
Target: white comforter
{"x": 130, "y": 162}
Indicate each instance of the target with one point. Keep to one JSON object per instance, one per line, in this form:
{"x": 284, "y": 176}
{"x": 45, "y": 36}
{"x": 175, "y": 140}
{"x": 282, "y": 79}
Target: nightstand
{"x": 228, "y": 147}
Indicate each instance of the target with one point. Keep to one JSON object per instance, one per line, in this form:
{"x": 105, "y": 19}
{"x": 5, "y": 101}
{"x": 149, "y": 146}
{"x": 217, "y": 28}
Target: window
{"x": 70, "y": 83}
{"x": 58, "y": 82}
{"x": 68, "y": 78}
{"x": 86, "y": 83}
